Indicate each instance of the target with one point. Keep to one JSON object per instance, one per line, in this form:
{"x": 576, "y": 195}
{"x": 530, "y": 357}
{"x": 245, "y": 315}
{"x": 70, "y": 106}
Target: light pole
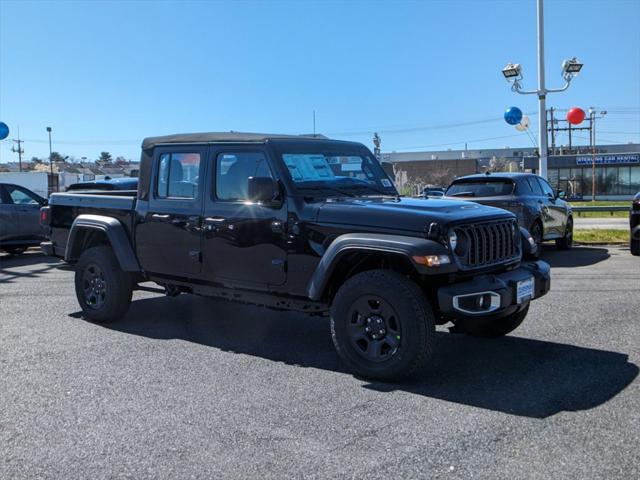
{"x": 50, "y": 162}
{"x": 513, "y": 74}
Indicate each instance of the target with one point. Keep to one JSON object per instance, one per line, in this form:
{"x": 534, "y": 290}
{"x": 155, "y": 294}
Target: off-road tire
{"x": 411, "y": 314}
{"x": 566, "y": 242}
{"x": 116, "y": 286}
{"x": 500, "y": 326}
{"x": 634, "y": 246}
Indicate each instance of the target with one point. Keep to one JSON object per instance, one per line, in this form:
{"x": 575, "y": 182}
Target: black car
{"x": 537, "y": 206}
{"x": 433, "y": 192}
{"x": 300, "y": 223}
{"x": 634, "y": 223}
{"x": 20, "y": 226}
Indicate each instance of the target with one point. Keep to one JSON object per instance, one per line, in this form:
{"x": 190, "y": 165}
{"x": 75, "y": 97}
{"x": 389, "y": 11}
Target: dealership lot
{"x": 194, "y": 387}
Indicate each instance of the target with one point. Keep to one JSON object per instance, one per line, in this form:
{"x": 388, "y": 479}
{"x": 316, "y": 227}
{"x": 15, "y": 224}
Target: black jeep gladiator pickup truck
{"x": 300, "y": 223}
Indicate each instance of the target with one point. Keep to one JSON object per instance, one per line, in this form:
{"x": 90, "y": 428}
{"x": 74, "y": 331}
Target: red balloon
{"x": 575, "y": 116}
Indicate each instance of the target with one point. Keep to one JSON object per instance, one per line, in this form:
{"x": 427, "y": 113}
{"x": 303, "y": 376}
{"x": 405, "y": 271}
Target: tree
{"x": 105, "y": 157}
{"x": 56, "y": 157}
{"x": 36, "y": 160}
{"x": 121, "y": 161}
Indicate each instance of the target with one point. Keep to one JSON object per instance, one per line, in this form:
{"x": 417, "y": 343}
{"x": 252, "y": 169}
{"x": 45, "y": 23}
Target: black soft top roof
{"x": 222, "y": 137}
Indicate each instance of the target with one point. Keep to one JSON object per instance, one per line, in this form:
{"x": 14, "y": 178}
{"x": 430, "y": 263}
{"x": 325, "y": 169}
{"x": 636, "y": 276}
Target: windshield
{"x": 348, "y": 173}
{"x": 480, "y": 188}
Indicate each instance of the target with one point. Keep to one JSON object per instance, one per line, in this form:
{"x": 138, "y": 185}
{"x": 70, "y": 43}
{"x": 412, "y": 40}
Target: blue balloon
{"x": 513, "y": 115}
{"x": 4, "y": 131}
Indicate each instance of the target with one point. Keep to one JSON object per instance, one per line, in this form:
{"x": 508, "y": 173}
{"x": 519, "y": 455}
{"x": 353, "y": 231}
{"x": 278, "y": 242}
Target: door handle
{"x": 211, "y": 224}
{"x": 157, "y": 216}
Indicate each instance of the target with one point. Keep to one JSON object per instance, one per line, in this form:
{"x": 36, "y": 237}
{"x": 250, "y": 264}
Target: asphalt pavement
{"x": 588, "y": 223}
{"x": 191, "y": 387}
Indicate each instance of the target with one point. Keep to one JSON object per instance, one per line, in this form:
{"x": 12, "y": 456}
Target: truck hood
{"x": 405, "y": 213}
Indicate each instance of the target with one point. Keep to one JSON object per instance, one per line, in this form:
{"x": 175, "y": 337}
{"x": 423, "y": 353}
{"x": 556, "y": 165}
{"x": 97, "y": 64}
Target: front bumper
{"x": 493, "y": 295}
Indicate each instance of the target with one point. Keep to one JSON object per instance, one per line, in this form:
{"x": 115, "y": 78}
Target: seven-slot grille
{"x": 488, "y": 243}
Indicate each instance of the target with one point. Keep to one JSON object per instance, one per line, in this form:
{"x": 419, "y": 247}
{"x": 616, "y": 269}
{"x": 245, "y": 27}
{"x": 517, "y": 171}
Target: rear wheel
{"x": 499, "y": 327}
{"x": 382, "y": 325}
{"x": 566, "y": 242}
{"x": 103, "y": 289}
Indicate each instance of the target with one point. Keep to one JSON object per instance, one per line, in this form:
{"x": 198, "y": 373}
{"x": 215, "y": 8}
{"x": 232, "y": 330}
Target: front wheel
{"x": 103, "y": 289}
{"x": 382, "y": 325}
{"x": 566, "y": 242}
{"x": 499, "y": 327}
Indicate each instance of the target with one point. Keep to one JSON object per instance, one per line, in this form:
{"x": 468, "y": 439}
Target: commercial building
{"x": 616, "y": 167}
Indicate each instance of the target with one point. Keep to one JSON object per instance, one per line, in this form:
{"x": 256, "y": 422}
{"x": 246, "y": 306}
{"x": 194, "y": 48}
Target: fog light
{"x": 432, "y": 260}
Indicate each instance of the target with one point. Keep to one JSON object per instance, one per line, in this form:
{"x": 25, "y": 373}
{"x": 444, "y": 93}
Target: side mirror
{"x": 263, "y": 190}
{"x": 562, "y": 195}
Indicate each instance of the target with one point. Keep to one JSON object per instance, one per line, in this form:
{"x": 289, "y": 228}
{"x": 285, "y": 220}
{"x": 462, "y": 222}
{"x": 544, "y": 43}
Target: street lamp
{"x": 513, "y": 74}
{"x": 50, "y": 162}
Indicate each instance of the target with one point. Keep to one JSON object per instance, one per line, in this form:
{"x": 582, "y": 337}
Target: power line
{"x": 478, "y": 140}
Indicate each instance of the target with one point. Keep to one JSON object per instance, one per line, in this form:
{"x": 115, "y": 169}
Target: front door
{"x": 243, "y": 242}
{"x": 168, "y": 236}
{"x": 552, "y": 208}
{"x": 26, "y": 206}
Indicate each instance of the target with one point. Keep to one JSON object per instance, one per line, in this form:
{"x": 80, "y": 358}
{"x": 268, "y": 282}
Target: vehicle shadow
{"x": 11, "y": 265}
{"x": 576, "y": 257}
{"x": 513, "y": 375}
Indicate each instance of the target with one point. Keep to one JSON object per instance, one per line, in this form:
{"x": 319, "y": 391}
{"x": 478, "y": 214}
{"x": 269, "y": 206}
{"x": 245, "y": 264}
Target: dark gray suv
{"x": 538, "y": 207}
{"x": 20, "y": 218}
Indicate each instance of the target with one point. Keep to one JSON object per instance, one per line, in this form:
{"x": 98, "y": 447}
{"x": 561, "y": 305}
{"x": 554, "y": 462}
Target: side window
{"x": 535, "y": 186}
{"x": 546, "y": 188}
{"x": 523, "y": 188}
{"x": 233, "y": 170}
{"x": 178, "y": 175}
{"x": 21, "y": 197}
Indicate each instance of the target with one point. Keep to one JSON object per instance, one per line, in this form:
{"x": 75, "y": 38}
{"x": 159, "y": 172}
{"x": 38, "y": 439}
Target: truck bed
{"x": 67, "y": 206}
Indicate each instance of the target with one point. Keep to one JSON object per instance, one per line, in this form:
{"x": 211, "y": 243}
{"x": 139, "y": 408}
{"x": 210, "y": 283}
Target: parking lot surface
{"x": 191, "y": 387}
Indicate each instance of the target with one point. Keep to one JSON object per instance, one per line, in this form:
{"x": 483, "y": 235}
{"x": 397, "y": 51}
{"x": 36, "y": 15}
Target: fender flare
{"x": 373, "y": 243}
{"x": 115, "y": 233}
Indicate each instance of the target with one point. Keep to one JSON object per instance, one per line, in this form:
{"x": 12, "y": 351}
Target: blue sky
{"x": 104, "y": 75}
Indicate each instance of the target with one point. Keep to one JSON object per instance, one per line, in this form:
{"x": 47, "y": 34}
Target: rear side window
{"x": 178, "y": 175}
{"x": 480, "y": 188}
{"x": 535, "y": 186}
{"x": 233, "y": 171}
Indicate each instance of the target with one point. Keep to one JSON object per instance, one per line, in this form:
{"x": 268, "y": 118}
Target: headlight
{"x": 453, "y": 240}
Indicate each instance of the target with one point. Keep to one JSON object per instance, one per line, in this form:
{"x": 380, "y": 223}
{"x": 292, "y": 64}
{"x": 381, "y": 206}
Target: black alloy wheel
{"x": 374, "y": 328}
{"x": 94, "y": 286}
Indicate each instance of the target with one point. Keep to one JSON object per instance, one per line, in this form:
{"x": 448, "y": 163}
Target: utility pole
{"x": 50, "y": 162}
{"x": 19, "y": 150}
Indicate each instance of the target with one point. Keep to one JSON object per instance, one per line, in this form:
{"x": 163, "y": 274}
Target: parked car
{"x": 20, "y": 226}
{"x": 634, "y": 223}
{"x": 126, "y": 183}
{"x": 433, "y": 192}
{"x": 537, "y": 206}
{"x": 306, "y": 224}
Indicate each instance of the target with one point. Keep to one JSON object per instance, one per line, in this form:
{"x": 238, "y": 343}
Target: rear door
{"x": 26, "y": 206}
{"x": 168, "y": 235}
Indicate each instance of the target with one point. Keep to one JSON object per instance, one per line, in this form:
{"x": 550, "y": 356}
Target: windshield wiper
{"x": 462, "y": 194}
{"x": 371, "y": 187}
{"x": 333, "y": 189}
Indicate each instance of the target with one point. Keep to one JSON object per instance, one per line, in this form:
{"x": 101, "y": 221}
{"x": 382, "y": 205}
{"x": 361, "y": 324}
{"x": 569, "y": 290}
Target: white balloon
{"x": 523, "y": 125}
